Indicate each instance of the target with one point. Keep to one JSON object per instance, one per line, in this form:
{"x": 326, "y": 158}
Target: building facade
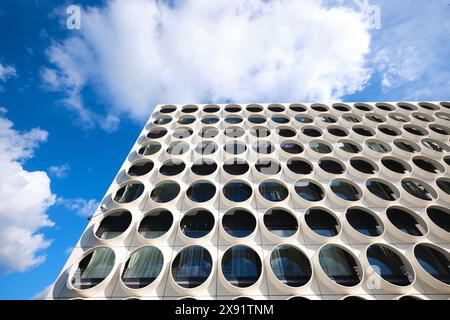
{"x": 274, "y": 201}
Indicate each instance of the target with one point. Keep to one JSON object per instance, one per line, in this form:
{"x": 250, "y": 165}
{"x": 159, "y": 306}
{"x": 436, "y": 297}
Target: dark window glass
{"x": 375, "y": 118}
{"x": 328, "y": 119}
{"x": 341, "y": 107}
{"x": 414, "y": 130}
{"x": 291, "y": 147}
{"x": 427, "y": 165}
{"x": 407, "y": 106}
{"x": 354, "y": 298}
{"x": 206, "y": 148}
{"x": 290, "y": 266}
{"x": 236, "y": 167}
{"x": 319, "y": 107}
{"x": 157, "y": 133}
{"x": 275, "y": 108}
{"x": 337, "y": 132}
{"x": 210, "y": 120}
{"x": 172, "y": 168}
{"x": 418, "y": 190}
{"x": 239, "y": 223}
{"x": 339, "y": 265}
{"x": 435, "y": 262}
{"x": 114, "y": 224}
{"x": 435, "y": 145}
{"x": 382, "y": 190}
{"x": 273, "y": 191}
{"x": 192, "y": 266}
{"x": 210, "y": 109}
{"x": 189, "y": 109}
{"x": 389, "y": 131}
{"x": 241, "y": 266}
{"x": 389, "y": 265}
{"x": 233, "y": 120}
{"x": 235, "y": 148}
{"x": 385, "y": 106}
{"x": 303, "y": 119}
{"x": 254, "y": 108}
{"x": 129, "y": 192}
{"x": 280, "y": 222}
{"x": 364, "y": 222}
{"x": 377, "y": 146}
{"x": 331, "y": 166}
{"x": 398, "y": 118}
{"x": 345, "y": 190}
{"x": 363, "y": 166}
{"x": 405, "y": 222}
{"x": 351, "y": 118}
{"x": 395, "y": 166}
{"x": 267, "y": 166}
{"x": 201, "y": 191}
{"x": 310, "y": 132}
{"x": 204, "y": 167}
{"x": 320, "y": 147}
{"x": 162, "y": 120}
{"x": 237, "y": 191}
{"x": 299, "y": 166}
{"x": 363, "y": 107}
{"x": 142, "y": 267}
{"x": 440, "y": 217}
{"x": 299, "y": 298}
{"x": 428, "y": 106}
{"x": 349, "y": 147}
{"x": 444, "y": 185}
{"x": 322, "y": 222}
{"x": 405, "y": 146}
{"x": 155, "y": 224}
{"x": 197, "y": 223}
{"x": 167, "y": 109}
{"x": 186, "y": 120}
{"x": 422, "y": 117}
{"x": 178, "y": 148}
{"x": 208, "y": 133}
{"x": 443, "y": 116}
{"x": 287, "y": 133}
{"x": 150, "y": 149}
{"x": 309, "y": 191}
{"x": 256, "y": 119}
{"x": 280, "y": 119}
{"x": 165, "y": 192}
{"x": 297, "y": 108}
{"x": 439, "y": 129}
{"x": 363, "y": 131}
{"x": 93, "y": 268}
{"x": 140, "y": 168}
{"x": 232, "y": 109}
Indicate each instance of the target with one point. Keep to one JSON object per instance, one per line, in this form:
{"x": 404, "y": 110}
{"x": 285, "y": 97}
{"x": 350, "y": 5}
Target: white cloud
{"x": 25, "y": 197}
{"x": 6, "y": 72}
{"x": 81, "y": 206}
{"x": 411, "y": 50}
{"x": 59, "y": 171}
{"x": 141, "y": 52}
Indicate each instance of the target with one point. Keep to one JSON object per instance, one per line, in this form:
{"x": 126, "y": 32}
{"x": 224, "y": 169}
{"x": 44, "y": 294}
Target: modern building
{"x": 274, "y": 201}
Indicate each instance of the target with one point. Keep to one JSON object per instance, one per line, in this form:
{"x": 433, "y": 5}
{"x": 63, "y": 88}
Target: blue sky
{"x": 89, "y": 91}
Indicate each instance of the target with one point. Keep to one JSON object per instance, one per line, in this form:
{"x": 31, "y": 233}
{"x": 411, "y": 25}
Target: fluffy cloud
{"x": 412, "y": 48}
{"x": 81, "y": 206}
{"x": 59, "y": 171}
{"x": 141, "y": 52}
{"x": 25, "y": 197}
{"x": 6, "y": 72}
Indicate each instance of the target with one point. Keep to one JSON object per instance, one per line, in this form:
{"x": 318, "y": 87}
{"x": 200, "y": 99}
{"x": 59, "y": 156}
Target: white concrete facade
{"x": 341, "y": 150}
